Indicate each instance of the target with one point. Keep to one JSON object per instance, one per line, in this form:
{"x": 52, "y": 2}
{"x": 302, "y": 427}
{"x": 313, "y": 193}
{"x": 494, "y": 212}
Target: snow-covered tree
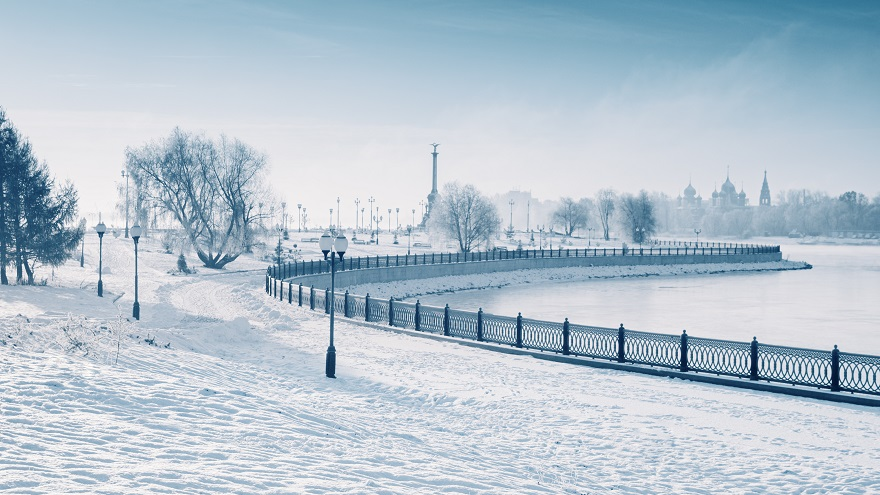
{"x": 467, "y": 216}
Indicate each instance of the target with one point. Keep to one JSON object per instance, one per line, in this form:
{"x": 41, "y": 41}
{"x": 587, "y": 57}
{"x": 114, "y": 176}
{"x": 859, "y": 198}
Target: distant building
{"x": 690, "y": 199}
{"x": 765, "y": 192}
{"x": 728, "y": 197}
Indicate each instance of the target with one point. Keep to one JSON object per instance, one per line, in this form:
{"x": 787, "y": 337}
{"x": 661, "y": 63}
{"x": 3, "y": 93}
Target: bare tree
{"x": 638, "y": 216}
{"x": 571, "y": 214}
{"x": 466, "y": 216}
{"x": 210, "y": 187}
{"x": 605, "y": 203}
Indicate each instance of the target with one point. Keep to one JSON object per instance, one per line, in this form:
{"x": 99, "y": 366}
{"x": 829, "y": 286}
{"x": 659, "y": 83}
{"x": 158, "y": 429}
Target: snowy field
{"x": 220, "y": 389}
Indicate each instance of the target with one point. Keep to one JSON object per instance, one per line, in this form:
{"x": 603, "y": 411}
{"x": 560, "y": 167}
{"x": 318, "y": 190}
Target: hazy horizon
{"x": 554, "y": 98}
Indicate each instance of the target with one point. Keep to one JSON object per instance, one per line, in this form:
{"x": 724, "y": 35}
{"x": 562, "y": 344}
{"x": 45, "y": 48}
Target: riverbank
{"x": 405, "y": 289}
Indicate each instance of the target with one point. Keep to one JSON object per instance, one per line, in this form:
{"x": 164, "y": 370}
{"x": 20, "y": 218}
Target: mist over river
{"x": 837, "y": 302}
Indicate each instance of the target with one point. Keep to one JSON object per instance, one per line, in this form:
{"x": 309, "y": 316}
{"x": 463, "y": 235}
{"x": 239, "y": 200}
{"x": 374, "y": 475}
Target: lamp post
{"x": 697, "y": 231}
{"x": 640, "y": 233}
{"x": 357, "y": 205}
{"x": 283, "y": 216}
{"x": 397, "y": 218}
{"x": 125, "y": 176}
{"x": 362, "y": 217}
{"x": 528, "y": 213}
{"x": 136, "y": 232}
{"x": 299, "y": 217}
{"x": 589, "y": 235}
{"x": 337, "y": 213}
{"x": 371, "y": 201}
{"x": 330, "y": 225}
{"x": 511, "y": 217}
{"x": 332, "y": 247}
{"x": 378, "y": 219}
{"x": 389, "y": 219}
{"x": 100, "y": 229}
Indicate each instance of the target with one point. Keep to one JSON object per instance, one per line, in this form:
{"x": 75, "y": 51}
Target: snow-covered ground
{"x": 220, "y": 389}
{"x": 404, "y": 289}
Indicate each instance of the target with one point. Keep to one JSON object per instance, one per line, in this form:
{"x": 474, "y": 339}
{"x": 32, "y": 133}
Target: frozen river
{"x": 834, "y": 303}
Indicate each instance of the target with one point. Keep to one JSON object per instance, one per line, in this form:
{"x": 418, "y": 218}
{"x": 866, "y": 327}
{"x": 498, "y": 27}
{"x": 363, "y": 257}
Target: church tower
{"x": 765, "y": 192}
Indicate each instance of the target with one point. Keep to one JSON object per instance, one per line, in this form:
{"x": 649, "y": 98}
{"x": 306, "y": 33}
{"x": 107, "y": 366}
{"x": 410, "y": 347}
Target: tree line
{"x": 36, "y": 216}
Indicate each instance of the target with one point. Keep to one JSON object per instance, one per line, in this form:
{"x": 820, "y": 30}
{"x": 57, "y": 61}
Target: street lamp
{"x": 100, "y": 229}
{"x": 136, "y": 232}
{"x": 330, "y": 225}
{"x": 337, "y": 213}
{"x": 697, "y": 231}
{"x": 371, "y": 201}
{"x": 299, "y": 217}
{"x": 408, "y": 238}
{"x": 357, "y": 205}
{"x": 389, "y": 219}
{"x": 329, "y": 246}
{"x": 397, "y": 218}
{"x": 125, "y": 176}
{"x": 511, "y": 217}
{"x": 589, "y": 235}
{"x": 640, "y": 233}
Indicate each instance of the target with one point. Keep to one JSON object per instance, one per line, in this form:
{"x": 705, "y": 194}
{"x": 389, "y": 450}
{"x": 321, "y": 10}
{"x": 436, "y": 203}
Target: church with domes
{"x": 727, "y": 198}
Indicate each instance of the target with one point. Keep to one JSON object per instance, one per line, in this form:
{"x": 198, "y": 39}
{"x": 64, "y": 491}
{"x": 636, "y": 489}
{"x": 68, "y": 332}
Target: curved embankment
{"x": 406, "y": 289}
{"x": 494, "y": 272}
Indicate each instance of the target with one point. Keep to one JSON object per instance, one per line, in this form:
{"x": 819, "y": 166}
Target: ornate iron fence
{"x": 834, "y": 370}
{"x": 285, "y": 270}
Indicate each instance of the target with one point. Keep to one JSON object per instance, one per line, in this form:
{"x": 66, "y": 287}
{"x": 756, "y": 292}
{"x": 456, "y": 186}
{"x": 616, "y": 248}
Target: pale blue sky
{"x": 560, "y": 98}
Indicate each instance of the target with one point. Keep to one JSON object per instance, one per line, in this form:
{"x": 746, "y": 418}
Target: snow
{"x": 220, "y": 388}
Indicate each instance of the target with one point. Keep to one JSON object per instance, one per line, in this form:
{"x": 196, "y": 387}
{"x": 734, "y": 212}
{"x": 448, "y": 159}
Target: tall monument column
{"x": 434, "y": 196}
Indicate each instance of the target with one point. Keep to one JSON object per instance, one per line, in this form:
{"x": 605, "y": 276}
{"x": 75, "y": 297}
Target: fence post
{"x": 327, "y": 301}
{"x": 566, "y": 339}
{"x": 290, "y": 293}
{"x": 390, "y": 311}
{"x": 753, "y": 372}
{"x": 621, "y": 344}
{"x": 312, "y": 297}
{"x": 519, "y": 330}
{"x": 267, "y": 282}
{"x": 281, "y": 292}
{"x": 835, "y": 370}
{"x": 684, "y": 350}
{"x": 418, "y": 315}
{"x": 446, "y": 321}
{"x": 480, "y": 325}
{"x": 345, "y": 312}
{"x": 367, "y": 307}
{"x": 300, "y": 294}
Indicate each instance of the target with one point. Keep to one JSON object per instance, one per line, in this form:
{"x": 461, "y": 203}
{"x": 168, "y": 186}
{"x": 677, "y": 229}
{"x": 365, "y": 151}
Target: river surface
{"x": 837, "y": 302}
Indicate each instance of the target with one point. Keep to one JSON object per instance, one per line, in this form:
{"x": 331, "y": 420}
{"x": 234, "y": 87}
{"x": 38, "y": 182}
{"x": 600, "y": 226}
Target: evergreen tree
{"x": 34, "y": 214}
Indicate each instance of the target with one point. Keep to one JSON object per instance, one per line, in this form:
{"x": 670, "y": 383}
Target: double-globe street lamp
{"x": 100, "y": 229}
{"x": 136, "y": 232}
{"x": 332, "y": 247}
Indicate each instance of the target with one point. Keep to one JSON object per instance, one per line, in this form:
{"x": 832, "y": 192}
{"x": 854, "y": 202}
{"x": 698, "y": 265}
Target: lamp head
{"x": 341, "y": 245}
{"x": 100, "y": 229}
{"x": 136, "y": 232}
{"x": 326, "y": 242}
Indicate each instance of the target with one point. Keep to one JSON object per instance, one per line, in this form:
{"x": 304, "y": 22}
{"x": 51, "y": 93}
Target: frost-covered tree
{"x": 467, "y": 216}
{"x": 572, "y": 215}
{"x": 606, "y": 199}
{"x": 36, "y": 217}
{"x": 211, "y": 187}
{"x": 638, "y": 216}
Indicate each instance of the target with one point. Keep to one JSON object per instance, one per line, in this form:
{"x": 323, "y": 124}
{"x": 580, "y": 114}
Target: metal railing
{"x": 833, "y": 370}
{"x": 291, "y": 269}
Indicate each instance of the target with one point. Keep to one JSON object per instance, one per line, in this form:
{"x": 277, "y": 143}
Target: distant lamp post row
{"x": 332, "y": 247}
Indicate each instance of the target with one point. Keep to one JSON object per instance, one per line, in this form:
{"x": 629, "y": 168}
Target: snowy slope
{"x": 220, "y": 389}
